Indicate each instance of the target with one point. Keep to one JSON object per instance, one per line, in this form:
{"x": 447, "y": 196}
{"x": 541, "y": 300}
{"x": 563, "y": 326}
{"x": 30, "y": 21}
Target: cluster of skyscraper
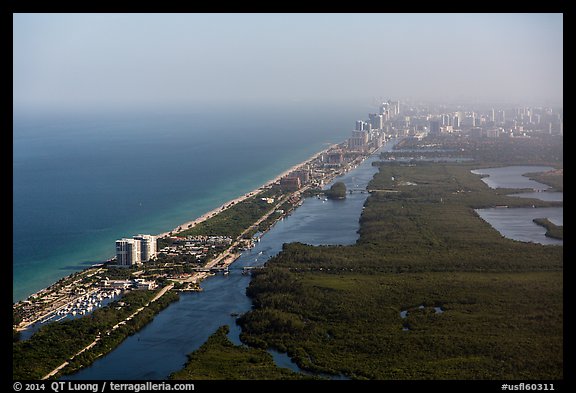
{"x": 411, "y": 118}
{"x": 138, "y": 249}
{"x": 493, "y": 123}
{"x": 371, "y": 133}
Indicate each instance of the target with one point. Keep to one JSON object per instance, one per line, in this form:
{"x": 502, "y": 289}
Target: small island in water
{"x": 337, "y": 191}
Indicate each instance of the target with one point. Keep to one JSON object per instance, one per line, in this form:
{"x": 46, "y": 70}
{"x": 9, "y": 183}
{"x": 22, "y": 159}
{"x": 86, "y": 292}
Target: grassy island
{"x": 552, "y": 230}
{"x": 337, "y": 191}
{"x": 554, "y": 179}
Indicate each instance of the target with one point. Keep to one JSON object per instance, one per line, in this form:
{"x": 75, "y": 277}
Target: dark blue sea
{"x": 83, "y": 180}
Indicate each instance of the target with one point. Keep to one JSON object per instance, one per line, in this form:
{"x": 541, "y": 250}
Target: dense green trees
{"x": 57, "y": 342}
{"x": 233, "y": 221}
{"x": 337, "y": 191}
{"x": 537, "y": 150}
{"x": 552, "y": 230}
{"x": 218, "y": 358}
{"x": 430, "y": 290}
{"x": 477, "y": 305}
{"x": 336, "y": 309}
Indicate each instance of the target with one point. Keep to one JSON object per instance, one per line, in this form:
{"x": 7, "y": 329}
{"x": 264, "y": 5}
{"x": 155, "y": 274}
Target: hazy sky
{"x": 143, "y": 59}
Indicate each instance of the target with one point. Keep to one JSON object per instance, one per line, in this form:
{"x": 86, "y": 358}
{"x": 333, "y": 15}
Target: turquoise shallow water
{"x": 161, "y": 347}
{"x": 81, "y": 181}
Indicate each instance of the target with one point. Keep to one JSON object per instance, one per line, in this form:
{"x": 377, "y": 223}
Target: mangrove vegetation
{"x": 219, "y": 359}
{"x": 430, "y": 290}
{"x": 59, "y": 342}
{"x": 337, "y": 191}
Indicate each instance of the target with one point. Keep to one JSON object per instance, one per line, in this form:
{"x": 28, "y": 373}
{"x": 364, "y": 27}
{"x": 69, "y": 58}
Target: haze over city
{"x": 287, "y": 197}
{"x": 110, "y": 60}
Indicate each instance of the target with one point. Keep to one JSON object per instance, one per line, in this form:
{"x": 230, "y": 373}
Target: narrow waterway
{"x": 516, "y": 223}
{"x": 161, "y": 347}
{"x": 511, "y": 176}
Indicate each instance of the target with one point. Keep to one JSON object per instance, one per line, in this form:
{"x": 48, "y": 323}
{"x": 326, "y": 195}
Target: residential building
{"x": 127, "y": 252}
{"x": 434, "y": 127}
{"x": 141, "y": 248}
{"x": 290, "y": 183}
{"x": 148, "y": 247}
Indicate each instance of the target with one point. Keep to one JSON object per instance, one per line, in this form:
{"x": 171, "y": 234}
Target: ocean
{"x": 83, "y": 180}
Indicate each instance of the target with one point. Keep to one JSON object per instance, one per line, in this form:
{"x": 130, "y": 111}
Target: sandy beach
{"x": 224, "y": 206}
{"x": 226, "y": 256}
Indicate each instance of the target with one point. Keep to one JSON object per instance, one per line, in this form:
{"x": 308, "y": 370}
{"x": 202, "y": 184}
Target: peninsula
{"x": 175, "y": 268}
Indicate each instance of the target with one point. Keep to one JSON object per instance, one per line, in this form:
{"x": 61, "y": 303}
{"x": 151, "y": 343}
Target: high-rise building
{"x": 127, "y": 252}
{"x": 376, "y": 120}
{"x": 467, "y": 121}
{"x": 359, "y": 125}
{"x": 359, "y": 140}
{"x": 141, "y": 248}
{"x": 290, "y": 183}
{"x": 389, "y": 109}
{"x": 537, "y": 118}
{"x": 445, "y": 120}
{"x": 456, "y": 122}
{"x": 147, "y": 247}
{"x": 394, "y": 107}
{"x": 335, "y": 157}
{"x": 384, "y": 108}
{"x": 434, "y": 127}
{"x": 363, "y": 136}
{"x": 303, "y": 175}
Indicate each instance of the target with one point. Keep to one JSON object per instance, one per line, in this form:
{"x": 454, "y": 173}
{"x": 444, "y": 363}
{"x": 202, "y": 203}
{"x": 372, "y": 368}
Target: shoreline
{"x": 227, "y": 257}
{"x": 197, "y": 277}
{"x": 225, "y": 206}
